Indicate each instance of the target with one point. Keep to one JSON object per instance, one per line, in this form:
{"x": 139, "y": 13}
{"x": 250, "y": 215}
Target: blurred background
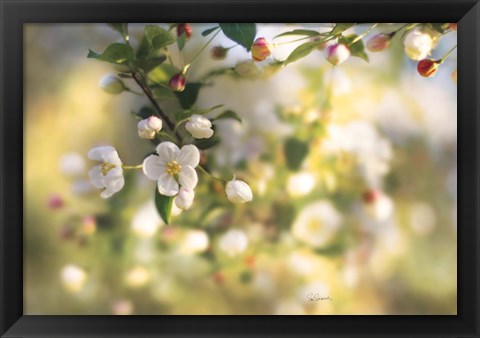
{"x": 366, "y": 225}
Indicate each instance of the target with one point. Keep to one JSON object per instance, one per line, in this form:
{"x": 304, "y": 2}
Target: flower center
{"x": 106, "y": 167}
{"x": 314, "y": 225}
{"x": 173, "y": 168}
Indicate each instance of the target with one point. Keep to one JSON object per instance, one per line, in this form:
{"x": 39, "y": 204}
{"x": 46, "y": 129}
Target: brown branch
{"x": 163, "y": 115}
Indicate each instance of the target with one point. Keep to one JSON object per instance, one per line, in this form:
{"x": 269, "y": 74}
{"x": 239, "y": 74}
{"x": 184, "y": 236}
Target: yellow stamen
{"x": 173, "y": 168}
{"x": 106, "y": 167}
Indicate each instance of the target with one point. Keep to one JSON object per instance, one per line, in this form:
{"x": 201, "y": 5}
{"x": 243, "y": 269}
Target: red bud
{"x": 184, "y": 28}
{"x": 260, "y": 49}
{"x": 219, "y": 52}
{"x": 427, "y": 67}
{"x": 177, "y": 82}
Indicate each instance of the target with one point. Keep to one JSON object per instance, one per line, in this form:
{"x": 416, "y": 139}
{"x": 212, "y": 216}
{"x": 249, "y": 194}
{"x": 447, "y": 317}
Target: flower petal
{"x": 99, "y": 153}
{"x": 96, "y": 177}
{"x": 167, "y": 185}
{"x": 167, "y": 151}
{"x": 113, "y": 186}
{"x": 189, "y": 155}
{"x": 188, "y": 177}
{"x": 153, "y": 167}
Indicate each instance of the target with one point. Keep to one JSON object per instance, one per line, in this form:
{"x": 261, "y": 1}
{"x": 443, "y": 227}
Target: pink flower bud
{"x": 337, "y": 53}
{"x": 177, "y": 82}
{"x": 427, "y": 67}
{"x": 260, "y": 49}
{"x": 55, "y": 202}
{"x": 370, "y": 196}
{"x": 219, "y": 52}
{"x": 378, "y": 42}
{"x": 184, "y": 28}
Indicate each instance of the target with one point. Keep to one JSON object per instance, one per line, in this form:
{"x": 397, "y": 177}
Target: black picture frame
{"x": 15, "y": 13}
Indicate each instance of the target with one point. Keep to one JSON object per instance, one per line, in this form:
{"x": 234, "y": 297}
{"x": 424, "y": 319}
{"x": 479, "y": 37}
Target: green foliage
{"x": 122, "y": 28}
{"x": 207, "y": 143}
{"x": 241, "y": 33}
{"x": 144, "y": 113}
{"x": 116, "y": 53}
{"x": 181, "y": 41}
{"x": 151, "y": 63}
{"x": 154, "y": 38}
{"x": 210, "y": 31}
{"x": 341, "y": 27}
{"x": 188, "y": 97}
{"x": 229, "y": 114}
{"x": 303, "y": 32}
{"x": 357, "y": 48}
{"x": 164, "y": 206}
{"x": 295, "y": 152}
{"x": 302, "y": 51}
{"x": 163, "y": 74}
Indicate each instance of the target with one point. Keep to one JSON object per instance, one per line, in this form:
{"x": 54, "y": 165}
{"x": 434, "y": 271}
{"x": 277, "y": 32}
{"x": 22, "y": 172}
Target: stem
{"x": 127, "y": 167}
{"x": 203, "y": 48}
{"x": 148, "y": 92}
{"x": 209, "y": 174}
{"x": 363, "y": 34}
{"x": 296, "y": 40}
{"x": 447, "y": 55}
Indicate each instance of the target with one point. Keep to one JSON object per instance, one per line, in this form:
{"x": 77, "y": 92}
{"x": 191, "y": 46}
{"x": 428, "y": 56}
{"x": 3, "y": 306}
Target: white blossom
{"x": 238, "y": 191}
{"x": 111, "y": 84}
{"x": 72, "y": 164}
{"x": 417, "y": 44}
{"x": 194, "y": 241}
{"x": 173, "y": 167}
{"x": 73, "y": 278}
{"x": 146, "y": 221}
{"x": 184, "y": 198}
{"x": 300, "y": 184}
{"x": 108, "y": 175}
{"x": 147, "y": 128}
{"x": 199, "y": 127}
{"x": 233, "y": 242}
{"x": 317, "y": 224}
{"x": 337, "y": 53}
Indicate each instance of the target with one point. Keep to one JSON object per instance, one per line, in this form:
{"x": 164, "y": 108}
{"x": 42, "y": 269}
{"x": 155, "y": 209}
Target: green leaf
{"x": 439, "y": 27}
{"x": 158, "y": 36}
{"x": 144, "y": 112}
{"x": 207, "y": 143}
{"x": 341, "y": 27}
{"x": 210, "y": 31}
{"x": 302, "y": 51}
{"x": 189, "y": 96}
{"x": 229, "y": 114}
{"x": 357, "y": 48}
{"x": 164, "y": 206}
{"x": 303, "y": 32}
{"x": 295, "y": 152}
{"x": 181, "y": 41}
{"x": 242, "y": 33}
{"x": 154, "y": 38}
{"x": 122, "y": 28}
{"x": 150, "y": 64}
{"x": 117, "y": 53}
{"x": 163, "y": 73}
{"x": 162, "y": 93}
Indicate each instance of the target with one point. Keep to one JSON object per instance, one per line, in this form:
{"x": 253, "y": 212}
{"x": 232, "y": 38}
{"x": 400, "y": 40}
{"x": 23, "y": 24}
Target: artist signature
{"x": 315, "y": 297}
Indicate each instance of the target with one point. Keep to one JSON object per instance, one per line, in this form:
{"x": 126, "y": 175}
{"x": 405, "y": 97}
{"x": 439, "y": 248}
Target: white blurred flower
{"x": 422, "y": 218}
{"x": 247, "y": 69}
{"x": 377, "y": 205}
{"x": 233, "y": 242}
{"x": 146, "y": 221}
{"x": 300, "y": 184}
{"x": 173, "y": 167}
{"x": 317, "y": 224}
{"x": 199, "y": 127}
{"x": 193, "y": 242}
{"x": 417, "y": 44}
{"x": 238, "y": 191}
{"x": 111, "y": 84}
{"x": 72, "y": 164}
{"x": 122, "y": 307}
{"x": 184, "y": 199}
{"x": 73, "y": 278}
{"x": 149, "y": 127}
{"x": 300, "y": 263}
{"x": 81, "y": 187}
{"x": 137, "y": 277}
{"x": 109, "y": 174}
